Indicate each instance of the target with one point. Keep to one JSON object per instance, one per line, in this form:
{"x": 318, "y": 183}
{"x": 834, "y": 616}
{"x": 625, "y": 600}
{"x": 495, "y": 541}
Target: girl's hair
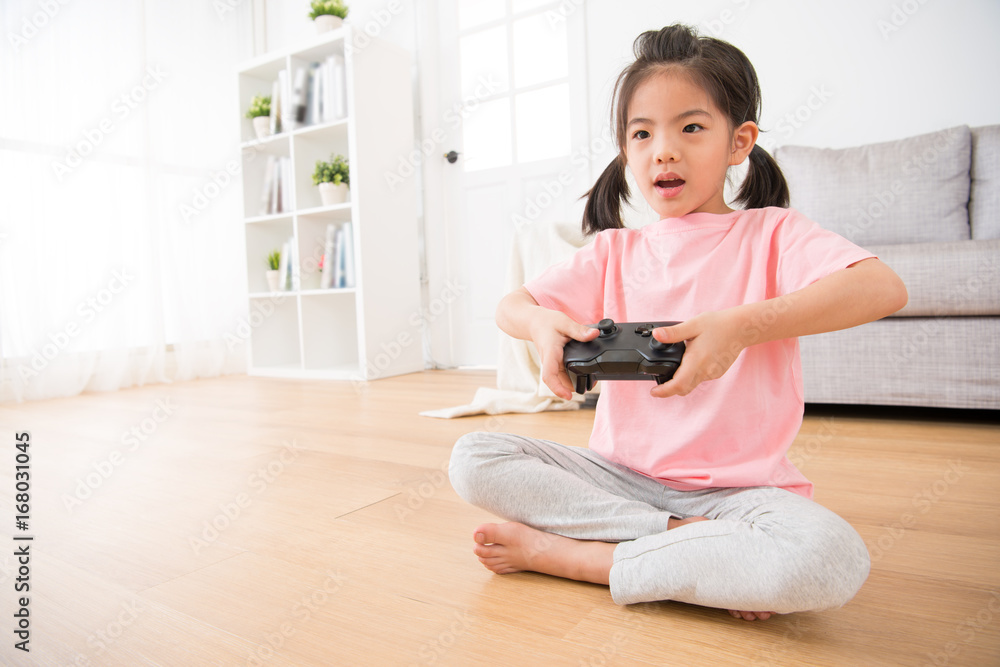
{"x": 727, "y": 76}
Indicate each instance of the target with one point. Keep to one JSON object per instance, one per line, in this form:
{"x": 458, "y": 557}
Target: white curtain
{"x": 121, "y": 244}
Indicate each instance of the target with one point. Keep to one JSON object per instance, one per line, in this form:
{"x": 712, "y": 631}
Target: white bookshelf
{"x": 373, "y": 329}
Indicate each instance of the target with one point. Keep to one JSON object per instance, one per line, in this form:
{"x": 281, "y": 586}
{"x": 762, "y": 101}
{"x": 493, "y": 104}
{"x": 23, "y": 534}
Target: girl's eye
{"x": 693, "y": 127}
{"x": 640, "y": 134}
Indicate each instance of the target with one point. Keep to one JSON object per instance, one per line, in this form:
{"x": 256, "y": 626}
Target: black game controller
{"x": 623, "y": 351}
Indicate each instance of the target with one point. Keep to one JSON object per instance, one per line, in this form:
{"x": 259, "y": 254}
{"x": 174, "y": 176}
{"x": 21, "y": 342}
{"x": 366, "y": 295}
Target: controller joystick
{"x": 621, "y": 352}
{"x": 657, "y": 345}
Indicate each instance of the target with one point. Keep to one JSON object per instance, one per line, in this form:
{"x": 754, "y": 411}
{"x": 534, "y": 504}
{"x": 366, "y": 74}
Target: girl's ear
{"x": 744, "y": 139}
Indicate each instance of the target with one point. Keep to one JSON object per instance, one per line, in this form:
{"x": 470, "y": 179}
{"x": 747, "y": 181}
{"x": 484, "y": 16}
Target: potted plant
{"x": 260, "y": 113}
{"x": 273, "y": 274}
{"x": 333, "y": 179}
{"x": 328, "y": 14}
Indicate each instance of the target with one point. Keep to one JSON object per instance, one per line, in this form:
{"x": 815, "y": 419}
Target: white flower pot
{"x": 273, "y": 280}
{"x": 262, "y": 126}
{"x": 331, "y": 194}
{"x": 327, "y": 22}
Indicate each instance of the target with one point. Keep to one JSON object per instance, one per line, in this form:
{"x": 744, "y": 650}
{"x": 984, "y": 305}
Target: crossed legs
{"x": 576, "y": 515}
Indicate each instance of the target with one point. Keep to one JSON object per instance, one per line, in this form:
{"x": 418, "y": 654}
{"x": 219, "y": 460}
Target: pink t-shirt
{"x": 733, "y": 431}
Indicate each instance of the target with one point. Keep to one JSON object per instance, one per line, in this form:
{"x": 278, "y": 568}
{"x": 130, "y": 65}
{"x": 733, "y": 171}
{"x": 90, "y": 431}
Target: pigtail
{"x": 604, "y": 200}
{"x": 764, "y": 184}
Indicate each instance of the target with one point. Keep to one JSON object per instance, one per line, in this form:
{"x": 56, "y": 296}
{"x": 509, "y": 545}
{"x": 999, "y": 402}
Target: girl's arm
{"x": 865, "y": 291}
{"x": 520, "y": 316}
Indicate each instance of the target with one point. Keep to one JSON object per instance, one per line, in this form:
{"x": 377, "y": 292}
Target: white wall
{"x": 937, "y": 68}
{"x": 832, "y": 74}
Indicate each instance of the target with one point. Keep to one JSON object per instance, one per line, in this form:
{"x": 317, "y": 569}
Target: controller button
{"x": 606, "y": 327}
{"x": 657, "y": 345}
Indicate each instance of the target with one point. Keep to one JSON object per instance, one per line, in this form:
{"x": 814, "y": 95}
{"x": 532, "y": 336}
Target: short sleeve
{"x": 806, "y": 252}
{"x": 576, "y": 286}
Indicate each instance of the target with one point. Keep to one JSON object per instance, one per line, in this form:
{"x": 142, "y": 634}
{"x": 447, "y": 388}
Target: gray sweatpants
{"x": 765, "y": 549}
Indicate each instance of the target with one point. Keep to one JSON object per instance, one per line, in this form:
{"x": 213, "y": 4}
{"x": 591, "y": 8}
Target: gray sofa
{"x": 929, "y": 207}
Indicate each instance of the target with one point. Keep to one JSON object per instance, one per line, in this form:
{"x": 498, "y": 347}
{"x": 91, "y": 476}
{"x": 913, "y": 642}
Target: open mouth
{"x": 669, "y": 187}
{"x": 671, "y": 183}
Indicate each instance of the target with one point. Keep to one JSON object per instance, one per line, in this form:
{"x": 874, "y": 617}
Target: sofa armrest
{"x": 947, "y": 279}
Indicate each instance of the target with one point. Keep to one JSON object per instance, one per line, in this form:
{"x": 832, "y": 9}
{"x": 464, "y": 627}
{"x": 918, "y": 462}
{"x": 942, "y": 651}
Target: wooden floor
{"x": 250, "y": 521}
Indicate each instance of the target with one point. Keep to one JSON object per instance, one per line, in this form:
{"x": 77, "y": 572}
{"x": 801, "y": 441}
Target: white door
{"x": 512, "y": 104}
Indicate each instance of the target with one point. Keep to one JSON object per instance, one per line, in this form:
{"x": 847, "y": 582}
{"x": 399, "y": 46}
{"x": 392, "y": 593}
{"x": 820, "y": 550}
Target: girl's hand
{"x": 550, "y": 331}
{"x": 712, "y": 343}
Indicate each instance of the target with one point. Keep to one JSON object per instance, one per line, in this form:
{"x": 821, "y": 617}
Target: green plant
{"x": 335, "y": 171}
{"x": 260, "y": 105}
{"x": 334, "y": 7}
{"x": 274, "y": 260}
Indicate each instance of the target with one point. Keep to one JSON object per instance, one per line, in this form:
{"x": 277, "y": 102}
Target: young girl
{"x": 685, "y": 492}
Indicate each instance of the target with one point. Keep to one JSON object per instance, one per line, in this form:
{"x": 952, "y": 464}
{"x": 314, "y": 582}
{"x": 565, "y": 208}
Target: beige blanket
{"x": 519, "y": 378}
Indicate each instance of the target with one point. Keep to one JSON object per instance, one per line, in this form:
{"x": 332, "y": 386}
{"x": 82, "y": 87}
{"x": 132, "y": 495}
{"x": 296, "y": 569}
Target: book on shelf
{"x": 286, "y": 181}
{"x": 292, "y": 281}
{"x": 275, "y": 204}
{"x": 300, "y": 97}
{"x": 315, "y": 114}
{"x": 283, "y": 266}
{"x": 338, "y": 257}
{"x": 276, "y": 193}
{"x": 326, "y": 276}
{"x": 338, "y": 260}
{"x": 348, "y": 230}
{"x": 275, "y": 106}
{"x": 336, "y": 71}
{"x": 312, "y": 94}
{"x": 285, "y": 121}
{"x": 265, "y": 191}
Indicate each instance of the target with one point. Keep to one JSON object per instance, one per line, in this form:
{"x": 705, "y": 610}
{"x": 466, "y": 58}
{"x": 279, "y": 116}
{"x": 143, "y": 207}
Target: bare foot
{"x": 751, "y": 615}
{"x": 514, "y": 547}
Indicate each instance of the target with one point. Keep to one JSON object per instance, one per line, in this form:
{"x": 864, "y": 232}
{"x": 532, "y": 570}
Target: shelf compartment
{"x": 311, "y": 235}
{"x": 329, "y": 326}
{"x": 258, "y": 80}
{"x": 255, "y": 167}
{"x": 262, "y": 238}
{"x": 274, "y": 324}
{"x": 310, "y": 147}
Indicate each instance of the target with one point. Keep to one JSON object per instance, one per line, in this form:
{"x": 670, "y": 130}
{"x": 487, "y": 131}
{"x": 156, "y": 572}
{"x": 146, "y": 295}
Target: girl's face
{"x": 679, "y": 146}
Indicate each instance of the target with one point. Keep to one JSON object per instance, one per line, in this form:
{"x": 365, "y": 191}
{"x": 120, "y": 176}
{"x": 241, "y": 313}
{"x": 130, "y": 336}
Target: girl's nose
{"x": 665, "y": 152}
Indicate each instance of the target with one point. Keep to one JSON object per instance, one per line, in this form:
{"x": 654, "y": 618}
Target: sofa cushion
{"x": 984, "y": 201}
{"x": 946, "y": 362}
{"x": 913, "y": 190}
{"x": 956, "y": 278}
